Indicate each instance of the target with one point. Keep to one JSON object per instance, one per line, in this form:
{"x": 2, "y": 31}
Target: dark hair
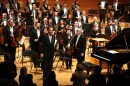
{"x": 52, "y": 75}
{"x": 79, "y": 67}
{"x": 97, "y": 69}
{"x": 116, "y": 69}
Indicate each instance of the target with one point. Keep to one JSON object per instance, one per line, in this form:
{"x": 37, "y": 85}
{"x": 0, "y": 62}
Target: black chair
{"x": 39, "y": 61}
{"x": 64, "y": 59}
{"x": 26, "y": 53}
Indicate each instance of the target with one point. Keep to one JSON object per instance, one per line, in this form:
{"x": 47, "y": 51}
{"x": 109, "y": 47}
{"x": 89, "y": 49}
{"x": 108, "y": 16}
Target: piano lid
{"x": 121, "y": 41}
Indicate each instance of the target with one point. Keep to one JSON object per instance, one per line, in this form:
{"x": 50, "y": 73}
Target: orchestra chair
{"x": 61, "y": 58}
{"x": 57, "y": 54}
{"x": 39, "y": 61}
{"x": 87, "y": 66}
{"x": 26, "y": 53}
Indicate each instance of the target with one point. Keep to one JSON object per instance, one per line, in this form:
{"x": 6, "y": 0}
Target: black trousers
{"x": 102, "y": 18}
{"x": 47, "y": 65}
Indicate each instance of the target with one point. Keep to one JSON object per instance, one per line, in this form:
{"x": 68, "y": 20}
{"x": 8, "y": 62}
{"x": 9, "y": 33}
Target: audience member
{"x": 7, "y": 74}
{"x": 117, "y": 78}
{"x": 51, "y": 80}
{"x": 127, "y": 75}
{"x": 97, "y": 79}
{"x": 29, "y": 80}
{"x": 22, "y": 76}
{"x": 78, "y": 78}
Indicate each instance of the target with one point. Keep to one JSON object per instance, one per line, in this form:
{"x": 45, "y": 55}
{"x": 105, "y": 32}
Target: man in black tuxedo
{"x": 10, "y": 34}
{"x": 47, "y": 51}
{"x": 102, "y": 6}
{"x": 109, "y": 29}
{"x": 34, "y": 37}
{"x": 4, "y": 20}
{"x": 116, "y": 26}
{"x": 117, "y": 8}
{"x": 79, "y": 42}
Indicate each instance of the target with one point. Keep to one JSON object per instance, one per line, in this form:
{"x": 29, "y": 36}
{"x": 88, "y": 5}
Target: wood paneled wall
{"x": 84, "y": 4}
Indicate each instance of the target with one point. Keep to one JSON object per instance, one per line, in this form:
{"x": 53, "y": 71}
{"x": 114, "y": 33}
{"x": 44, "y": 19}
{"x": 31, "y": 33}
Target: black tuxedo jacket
{"x": 47, "y": 47}
{"x": 118, "y": 28}
{"x": 81, "y": 44}
{"x": 54, "y": 21}
{"x": 108, "y": 30}
{"x": 83, "y": 20}
{"x": 7, "y": 33}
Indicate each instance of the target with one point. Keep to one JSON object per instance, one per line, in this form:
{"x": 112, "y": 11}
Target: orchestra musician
{"x": 3, "y": 20}
{"x": 7, "y": 8}
{"x": 112, "y": 17}
{"x": 76, "y": 13}
{"x": 117, "y": 8}
{"x": 56, "y": 20}
{"x": 57, "y": 7}
{"x": 109, "y": 29}
{"x": 68, "y": 49}
{"x": 10, "y": 34}
{"x": 34, "y": 37}
{"x": 102, "y": 6}
{"x": 47, "y": 51}
{"x": 116, "y": 26}
{"x": 44, "y": 8}
{"x": 16, "y": 7}
{"x": 79, "y": 42}
{"x": 64, "y": 12}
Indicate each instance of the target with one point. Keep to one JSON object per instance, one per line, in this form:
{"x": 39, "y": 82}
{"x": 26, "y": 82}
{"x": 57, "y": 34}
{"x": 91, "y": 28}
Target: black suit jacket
{"x": 33, "y": 36}
{"x": 118, "y": 28}
{"x": 83, "y": 20}
{"x": 108, "y": 30}
{"x": 46, "y": 47}
{"x": 54, "y": 21}
{"x": 7, "y": 33}
{"x": 81, "y": 44}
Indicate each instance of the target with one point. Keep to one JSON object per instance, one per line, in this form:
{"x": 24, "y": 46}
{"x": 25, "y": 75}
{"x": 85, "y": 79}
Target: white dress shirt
{"x": 84, "y": 19}
{"x": 38, "y": 33}
{"x": 77, "y": 40}
{"x": 56, "y": 19}
{"x": 11, "y": 30}
{"x": 103, "y": 4}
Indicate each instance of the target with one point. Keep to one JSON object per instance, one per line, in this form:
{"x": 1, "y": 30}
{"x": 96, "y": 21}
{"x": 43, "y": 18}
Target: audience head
{"x": 116, "y": 69}
{"x": 23, "y": 71}
{"x": 97, "y": 70}
{"x": 8, "y": 70}
{"x": 52, "y": 75}
{"x": 79, "y": 67}
{"x": 29, "y": 78}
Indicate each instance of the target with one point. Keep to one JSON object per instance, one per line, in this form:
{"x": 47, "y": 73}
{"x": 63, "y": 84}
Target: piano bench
{"x": 88, "y": 67}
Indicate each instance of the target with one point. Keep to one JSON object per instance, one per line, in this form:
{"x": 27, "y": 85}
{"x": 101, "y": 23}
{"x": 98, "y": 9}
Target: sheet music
{"x": 22, "y": 40}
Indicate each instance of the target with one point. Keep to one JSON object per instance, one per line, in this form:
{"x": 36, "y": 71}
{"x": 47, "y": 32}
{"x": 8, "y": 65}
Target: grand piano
{"x": 116, "y": 51}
